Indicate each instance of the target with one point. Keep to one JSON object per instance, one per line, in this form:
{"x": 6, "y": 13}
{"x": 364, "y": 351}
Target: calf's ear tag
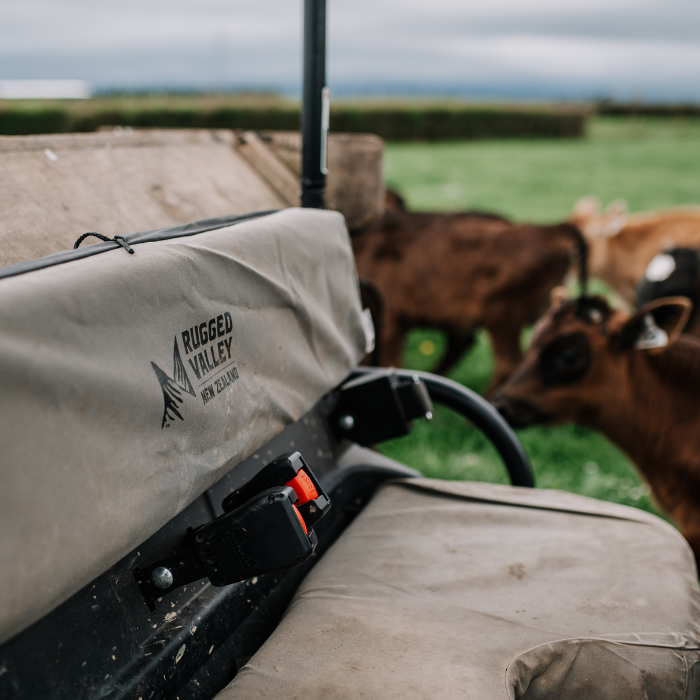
{"x": 652, "y": 336}
{"x": 660, "y": 268}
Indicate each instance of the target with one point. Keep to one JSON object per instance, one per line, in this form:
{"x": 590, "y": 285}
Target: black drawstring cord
{"x": 117, "y": 239}
{"x": 122, "y": 242}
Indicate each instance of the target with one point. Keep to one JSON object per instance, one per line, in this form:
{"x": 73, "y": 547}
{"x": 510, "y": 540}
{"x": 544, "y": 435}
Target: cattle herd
{"x": 631, "y": 370}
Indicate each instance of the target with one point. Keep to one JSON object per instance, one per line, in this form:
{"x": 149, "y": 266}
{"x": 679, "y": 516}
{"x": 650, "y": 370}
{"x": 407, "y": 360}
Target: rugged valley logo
{"x": 213, "y": 367}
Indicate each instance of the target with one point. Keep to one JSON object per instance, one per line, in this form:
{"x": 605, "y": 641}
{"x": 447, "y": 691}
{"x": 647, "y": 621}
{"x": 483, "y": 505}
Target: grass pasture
{"x": 650, "y": 162}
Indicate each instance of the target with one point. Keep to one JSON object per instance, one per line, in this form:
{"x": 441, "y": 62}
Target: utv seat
{"x": 480, "y": 591}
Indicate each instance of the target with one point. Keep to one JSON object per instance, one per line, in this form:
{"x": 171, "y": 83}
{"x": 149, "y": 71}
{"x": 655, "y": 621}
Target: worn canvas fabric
{"x": 130, "y": 383}
{"x": 55, "y": 186}
{"x": 480, "y": 591}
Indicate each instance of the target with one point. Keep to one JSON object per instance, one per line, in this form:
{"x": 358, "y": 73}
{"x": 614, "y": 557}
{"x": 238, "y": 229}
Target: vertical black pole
{"x": 314, "y": 112}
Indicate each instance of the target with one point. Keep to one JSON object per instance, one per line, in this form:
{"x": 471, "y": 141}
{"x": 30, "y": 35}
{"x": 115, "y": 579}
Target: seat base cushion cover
{"x": 456, "y": 589}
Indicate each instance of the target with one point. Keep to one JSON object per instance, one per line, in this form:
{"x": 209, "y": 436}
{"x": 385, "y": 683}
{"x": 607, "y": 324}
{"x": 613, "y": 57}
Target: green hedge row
{"x": 393, "y": 124}
{"x": 631, "y": 109}
{"x": 437, "y": 124}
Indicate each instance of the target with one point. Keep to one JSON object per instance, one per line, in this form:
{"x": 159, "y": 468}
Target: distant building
{"x": 44, "y": 89}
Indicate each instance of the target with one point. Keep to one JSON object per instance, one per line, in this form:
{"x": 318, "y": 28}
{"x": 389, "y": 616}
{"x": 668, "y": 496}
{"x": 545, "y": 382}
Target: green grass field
{"x": 650, "y": 162}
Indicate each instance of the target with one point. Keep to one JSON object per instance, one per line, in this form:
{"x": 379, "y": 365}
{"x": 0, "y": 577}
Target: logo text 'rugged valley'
{"x": 209, "y": 343}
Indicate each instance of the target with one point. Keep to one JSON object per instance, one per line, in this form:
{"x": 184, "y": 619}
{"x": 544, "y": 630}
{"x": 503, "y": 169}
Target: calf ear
{"x": 617, "y": 206}
{"x": 587, "y": 207}
{"x": 614, "y": 218}
{"x": 656, "y": 325}
{"x": 586, "y": 216}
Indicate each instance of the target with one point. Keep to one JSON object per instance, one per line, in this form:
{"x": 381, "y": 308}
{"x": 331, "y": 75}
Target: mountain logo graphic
{"x": 174, "y": 387}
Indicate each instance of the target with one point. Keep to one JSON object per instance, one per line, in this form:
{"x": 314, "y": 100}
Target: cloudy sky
{"x": 628, "y": 49}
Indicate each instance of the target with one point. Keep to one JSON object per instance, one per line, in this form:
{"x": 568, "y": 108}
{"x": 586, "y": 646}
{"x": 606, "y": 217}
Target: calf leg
{"x": 392, "y": 342}
{"x": 458, "y": 342}
{"x": 505, "y": 339}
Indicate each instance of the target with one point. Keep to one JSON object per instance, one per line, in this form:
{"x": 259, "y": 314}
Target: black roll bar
{"x": 314, "y": 112}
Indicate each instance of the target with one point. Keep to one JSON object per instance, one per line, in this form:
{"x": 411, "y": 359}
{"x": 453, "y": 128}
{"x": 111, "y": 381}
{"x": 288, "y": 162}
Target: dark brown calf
{"x": 636, "y": 379}
{"x": 459, "y": 272}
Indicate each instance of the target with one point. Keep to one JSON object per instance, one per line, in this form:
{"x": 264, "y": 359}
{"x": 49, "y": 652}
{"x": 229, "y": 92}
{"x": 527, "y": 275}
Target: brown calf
{"x": 459, "y": 272}
{"x": 636, "y": 379}
{"x": 621, "y": 245}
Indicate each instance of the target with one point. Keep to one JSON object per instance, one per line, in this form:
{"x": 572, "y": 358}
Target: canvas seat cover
{"x": 130, "y": 383}
{"x": 464, "y": 590}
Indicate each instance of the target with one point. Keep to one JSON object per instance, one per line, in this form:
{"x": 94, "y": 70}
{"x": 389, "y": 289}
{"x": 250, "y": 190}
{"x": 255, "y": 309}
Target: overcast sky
{"x": 629, "y": 49}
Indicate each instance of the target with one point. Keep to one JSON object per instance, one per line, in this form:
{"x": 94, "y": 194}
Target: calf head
{"x": 596, "y": 224}
{"x": 579, "y": 358}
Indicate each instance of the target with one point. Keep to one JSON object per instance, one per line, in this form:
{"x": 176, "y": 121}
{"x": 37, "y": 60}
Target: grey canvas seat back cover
{"x": 130, "y": 383}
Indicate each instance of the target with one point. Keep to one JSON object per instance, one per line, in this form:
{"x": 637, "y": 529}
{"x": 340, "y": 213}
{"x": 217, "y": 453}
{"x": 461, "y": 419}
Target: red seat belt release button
{"x": 303, "y": 487}
{"x": 301, "y": 520}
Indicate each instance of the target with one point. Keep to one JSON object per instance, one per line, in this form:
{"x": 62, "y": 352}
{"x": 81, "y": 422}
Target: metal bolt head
{"x": 346, "y": 423}
{"x": 162, "y": 578}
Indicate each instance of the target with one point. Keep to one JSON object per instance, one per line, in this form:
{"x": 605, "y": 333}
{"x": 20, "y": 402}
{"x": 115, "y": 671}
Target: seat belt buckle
{"x": 378, "y": 406}
{"x": 267, "y": 533}
{"x": 292, "y": 470}
{"x": 267, "y": 526}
